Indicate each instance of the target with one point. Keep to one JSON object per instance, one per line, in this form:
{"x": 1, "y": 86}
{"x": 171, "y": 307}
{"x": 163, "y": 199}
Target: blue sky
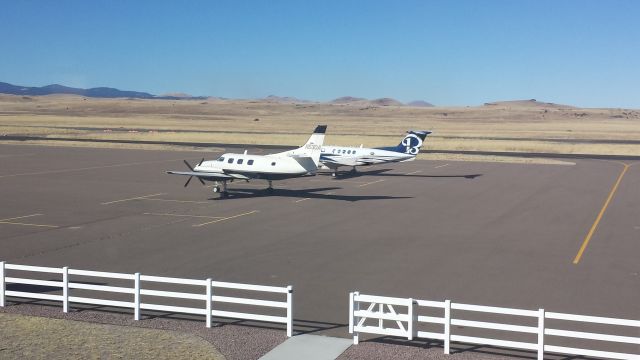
{"x": 584, "y": 53}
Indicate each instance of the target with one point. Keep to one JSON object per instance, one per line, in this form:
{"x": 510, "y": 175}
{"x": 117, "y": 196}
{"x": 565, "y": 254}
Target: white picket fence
{"x": 136, "y": 290}
{"x": 405, "y": 323}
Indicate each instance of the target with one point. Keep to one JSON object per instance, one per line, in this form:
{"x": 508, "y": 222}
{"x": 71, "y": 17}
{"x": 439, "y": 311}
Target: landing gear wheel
{"x": 333, "y": 174}
{"x": 216, "y": 189}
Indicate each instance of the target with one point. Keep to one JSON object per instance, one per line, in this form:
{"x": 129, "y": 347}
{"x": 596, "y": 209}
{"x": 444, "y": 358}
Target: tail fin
{"x": 313, "y": 147}
{"x": 411, "y": 142}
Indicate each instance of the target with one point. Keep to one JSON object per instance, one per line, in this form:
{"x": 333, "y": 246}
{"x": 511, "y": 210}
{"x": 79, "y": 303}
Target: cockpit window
{"x": 250, "y": 162}
{"x": 221, "y": 158}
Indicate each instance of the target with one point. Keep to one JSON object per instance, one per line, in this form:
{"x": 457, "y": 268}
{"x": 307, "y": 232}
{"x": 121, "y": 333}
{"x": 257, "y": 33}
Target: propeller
{"x": 190, "y": 168}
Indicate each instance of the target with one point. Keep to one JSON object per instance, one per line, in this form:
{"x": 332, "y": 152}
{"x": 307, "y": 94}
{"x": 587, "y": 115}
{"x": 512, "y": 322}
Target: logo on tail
{"x": 412, "y": 142}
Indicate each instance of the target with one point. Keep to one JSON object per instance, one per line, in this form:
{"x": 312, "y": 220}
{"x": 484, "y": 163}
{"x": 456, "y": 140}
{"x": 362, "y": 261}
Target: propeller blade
{"x": 201, "y": 161}
{"x": 202, "y": 181}
{"x": 188, "y": 165}
{"x": 187, "y": 183}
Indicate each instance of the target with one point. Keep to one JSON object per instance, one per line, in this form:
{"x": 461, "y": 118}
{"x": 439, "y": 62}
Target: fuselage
{"x": 257, "y": 166}
{"x": 335, "y": 156}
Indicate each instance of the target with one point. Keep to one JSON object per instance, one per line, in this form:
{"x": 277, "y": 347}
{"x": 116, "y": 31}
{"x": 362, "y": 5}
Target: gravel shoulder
{"x": 44, "y": 332}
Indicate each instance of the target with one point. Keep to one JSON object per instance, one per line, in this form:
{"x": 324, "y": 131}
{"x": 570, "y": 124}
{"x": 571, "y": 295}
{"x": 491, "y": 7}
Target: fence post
{"x": 381, "y": 312}
{"x": 447, "y": 326}
{"x": 2, "y": 286}
{"x": 353, "y": 319}
{"x": 208, "y": 303}
{"x": 65, "y": 289}
{"x": 136, "y": 297}
{"x": 410, "y": 321}
{"x": 540, "y": 334}
{"x": 289, "y": 311}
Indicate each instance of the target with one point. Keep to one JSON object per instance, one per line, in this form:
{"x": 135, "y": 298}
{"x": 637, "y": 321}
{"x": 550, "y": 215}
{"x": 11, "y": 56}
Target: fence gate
{"x": 381, "y": 315}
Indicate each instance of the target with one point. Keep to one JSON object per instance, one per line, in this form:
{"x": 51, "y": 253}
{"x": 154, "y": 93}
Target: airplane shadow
{"x": 383, "y": 172}
{"x": 236, "y": 193}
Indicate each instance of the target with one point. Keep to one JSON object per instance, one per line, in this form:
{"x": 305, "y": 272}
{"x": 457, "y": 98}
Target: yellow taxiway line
{"x": 184, "y": 215}
{"x": 133, "y": 198}
{"x": 225, "y": 218}
{"x": 585, "y": 243}
{"x": 27, "y": 224}
{"x": 179, "y": 201}
{"x": 372, "y": 182}
{"x": 60, "y": 171}
{"x": 19, "y": 217}
{"x": 10, "y": 221}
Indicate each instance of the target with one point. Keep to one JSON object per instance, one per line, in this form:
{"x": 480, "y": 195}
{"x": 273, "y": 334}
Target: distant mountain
{"x": 178, "y": 95}
{"x": 527, "y": 103}
{"x": 420, "y": 103}
{"x": 346, "y": 100}
{"x": 284, "y": 99}
{"x": 386, "y": 102}
{"x": 98, "y": 92}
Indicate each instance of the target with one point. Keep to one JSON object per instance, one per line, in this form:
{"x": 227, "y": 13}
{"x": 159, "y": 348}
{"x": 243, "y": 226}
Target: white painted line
{"x": 301, "y": 200}
{"x": 373, "y": 182}
{"x": 133, "y": 198}
{"x": 413, "y": 172}
{"x": 439, "y": 166}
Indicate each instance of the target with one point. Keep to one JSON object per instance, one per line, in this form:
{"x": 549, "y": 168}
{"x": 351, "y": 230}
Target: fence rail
{"x": 401, "y": 313}
{"x": 136, "y": 290}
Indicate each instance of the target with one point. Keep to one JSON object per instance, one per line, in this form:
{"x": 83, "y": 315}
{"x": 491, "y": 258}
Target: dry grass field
{"x": 515, "y": 126}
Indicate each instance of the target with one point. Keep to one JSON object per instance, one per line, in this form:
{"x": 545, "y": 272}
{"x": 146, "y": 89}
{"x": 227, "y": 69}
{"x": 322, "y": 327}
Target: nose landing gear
{"x": 222, "y": 190}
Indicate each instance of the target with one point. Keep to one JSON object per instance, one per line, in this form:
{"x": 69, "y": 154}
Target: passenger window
{"x": 250, "y": 162}
{"x": 273, "y": 163}
{"x": 344, "y": 151}
{"x": 230, "y": 161}
{"x": 240, "y": 161}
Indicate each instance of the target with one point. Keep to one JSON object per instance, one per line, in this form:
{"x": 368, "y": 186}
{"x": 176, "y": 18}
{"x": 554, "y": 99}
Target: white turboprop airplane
{"x": 333, "y": 157}
{"x": 303, "y": 161}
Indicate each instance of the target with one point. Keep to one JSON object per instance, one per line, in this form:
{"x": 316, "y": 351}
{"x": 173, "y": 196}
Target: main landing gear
{"x": 334, "y": 173}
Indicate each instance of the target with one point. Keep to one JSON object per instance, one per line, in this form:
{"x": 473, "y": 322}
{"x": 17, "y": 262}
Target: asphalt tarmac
{"x": 480, "y": 233}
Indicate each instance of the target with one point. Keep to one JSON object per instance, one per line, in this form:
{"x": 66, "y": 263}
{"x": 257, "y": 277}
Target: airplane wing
{"x": 211, "y": 176}
{"x": 306, "y": 162}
